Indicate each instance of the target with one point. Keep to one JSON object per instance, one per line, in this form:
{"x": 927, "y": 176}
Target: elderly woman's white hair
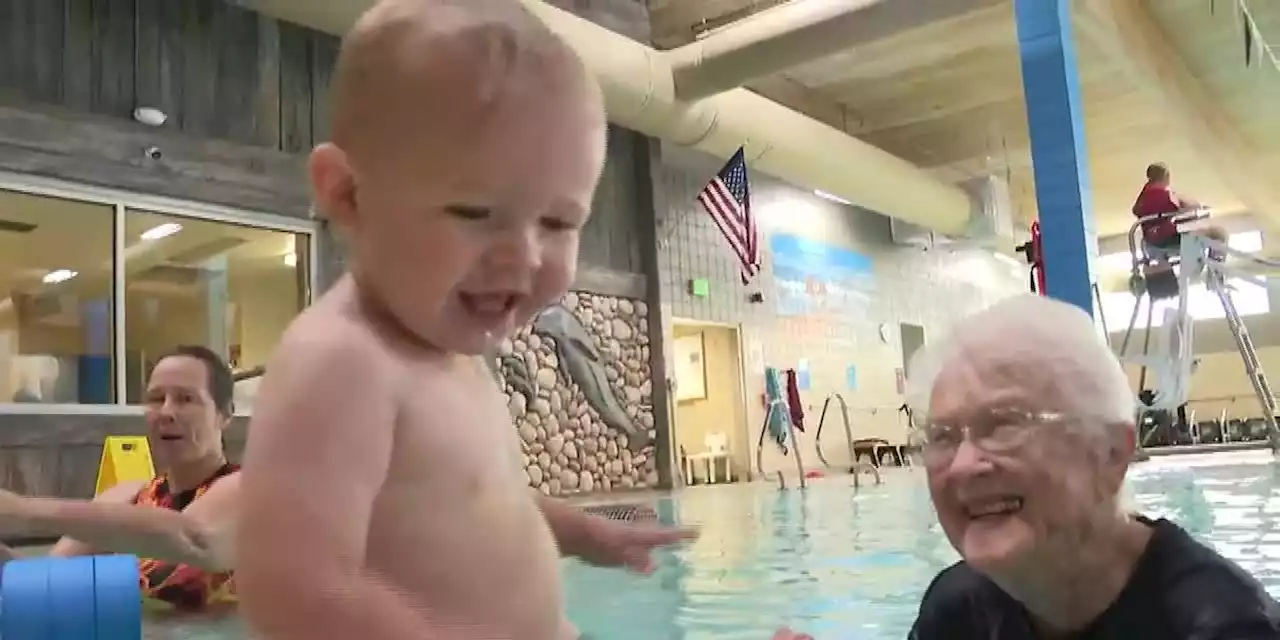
{"x": 1058, "y": 338}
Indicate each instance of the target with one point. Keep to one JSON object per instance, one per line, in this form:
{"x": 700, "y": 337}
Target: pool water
{"x": 852, "y": 566}
{"x": 846, "y": 565}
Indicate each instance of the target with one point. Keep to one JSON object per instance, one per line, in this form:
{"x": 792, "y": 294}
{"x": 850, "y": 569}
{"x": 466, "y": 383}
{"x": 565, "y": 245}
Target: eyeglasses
{"x": 999, "y": 432}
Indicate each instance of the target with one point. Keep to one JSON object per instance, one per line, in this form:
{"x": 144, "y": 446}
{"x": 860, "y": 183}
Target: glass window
{"x": 56, "y": 286}
{"x": 229, "y": 287}
{"x": 1202, "y": 304}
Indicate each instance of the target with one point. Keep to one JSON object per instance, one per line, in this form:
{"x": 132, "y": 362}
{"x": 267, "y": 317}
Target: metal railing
{"x": 795, "y": 448}
{"x": 854, "y": 465}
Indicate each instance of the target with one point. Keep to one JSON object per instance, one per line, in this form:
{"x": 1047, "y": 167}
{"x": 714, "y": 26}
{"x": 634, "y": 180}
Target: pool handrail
{"x": 795, "y": 448}
{"x": 854, "y": 465}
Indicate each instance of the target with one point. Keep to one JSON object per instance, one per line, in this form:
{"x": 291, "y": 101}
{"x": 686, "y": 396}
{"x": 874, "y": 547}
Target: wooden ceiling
{"x": 1162, "y": 80}
{"x": 678, "y": 22}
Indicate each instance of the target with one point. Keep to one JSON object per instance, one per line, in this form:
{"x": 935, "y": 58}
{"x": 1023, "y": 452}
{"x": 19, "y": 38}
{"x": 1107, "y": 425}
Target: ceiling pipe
{"x": 800, "y": 31}
{"x": 639, "y": 91}
{"x": 763, "y": 44}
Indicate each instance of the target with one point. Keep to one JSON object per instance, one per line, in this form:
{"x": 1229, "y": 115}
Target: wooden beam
{"x": 111, "y": 152}
{"x": 608, "y": 282}
{"x": 1138, "y": 47}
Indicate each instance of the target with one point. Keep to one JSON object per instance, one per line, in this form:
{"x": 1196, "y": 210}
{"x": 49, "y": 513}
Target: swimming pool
{"x": 851, "y": 566}
{"x": 846, "y": 566}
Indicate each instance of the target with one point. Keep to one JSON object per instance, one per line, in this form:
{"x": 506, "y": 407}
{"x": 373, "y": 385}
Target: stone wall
{"x": 580, "y": 393}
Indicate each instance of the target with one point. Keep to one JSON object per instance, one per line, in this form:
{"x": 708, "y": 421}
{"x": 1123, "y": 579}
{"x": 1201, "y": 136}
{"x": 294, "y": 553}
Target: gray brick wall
{"x": 929, "y": 288}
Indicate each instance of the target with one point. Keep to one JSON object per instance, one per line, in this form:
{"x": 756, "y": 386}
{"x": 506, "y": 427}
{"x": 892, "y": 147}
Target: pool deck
{"x": 1218, "y": 447}
{"x": 640, "y": 496}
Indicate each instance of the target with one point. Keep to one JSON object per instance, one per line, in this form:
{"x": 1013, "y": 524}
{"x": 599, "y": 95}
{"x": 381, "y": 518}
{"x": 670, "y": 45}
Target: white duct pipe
{"x": 791, "y": 34}
{"x": 639, "y": 92}
{"x": 765, "y": 43}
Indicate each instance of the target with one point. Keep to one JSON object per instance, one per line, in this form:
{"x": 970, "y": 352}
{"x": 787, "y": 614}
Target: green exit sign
{"x": 699, "y": 287}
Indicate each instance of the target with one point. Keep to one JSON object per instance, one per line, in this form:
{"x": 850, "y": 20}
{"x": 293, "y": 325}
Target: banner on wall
{"x": 814, "y": 278}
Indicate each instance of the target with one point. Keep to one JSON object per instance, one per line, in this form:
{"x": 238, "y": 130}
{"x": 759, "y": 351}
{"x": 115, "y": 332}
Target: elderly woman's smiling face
{"x": 1018, "y": 470}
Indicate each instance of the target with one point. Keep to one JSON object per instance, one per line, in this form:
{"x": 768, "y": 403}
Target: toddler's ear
{"x": 333, "y": 186}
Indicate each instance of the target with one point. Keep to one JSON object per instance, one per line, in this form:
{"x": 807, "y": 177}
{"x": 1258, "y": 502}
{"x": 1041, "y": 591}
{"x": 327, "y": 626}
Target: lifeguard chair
{"x": 1162, "y": 274}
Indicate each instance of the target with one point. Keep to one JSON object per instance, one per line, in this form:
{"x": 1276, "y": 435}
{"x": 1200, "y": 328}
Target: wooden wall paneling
{"x": 198, "y": 68}
{"x": 77, "y": 55}
{"x": 235, "y": 39}
{"x": 324, "y": 55}
{"x": 295, "y": 89}
{"x": 112, "y": 56}
{"x": 267, "y": 121}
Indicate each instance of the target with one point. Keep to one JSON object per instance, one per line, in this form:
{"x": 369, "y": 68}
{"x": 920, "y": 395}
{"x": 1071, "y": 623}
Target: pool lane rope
{"x": 82, "y": 598}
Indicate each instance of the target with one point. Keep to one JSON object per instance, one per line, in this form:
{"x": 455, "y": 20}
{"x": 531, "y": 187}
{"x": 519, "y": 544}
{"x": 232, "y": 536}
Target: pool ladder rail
{"x": 854, "y": 465}
{"x": 774, "y": 406}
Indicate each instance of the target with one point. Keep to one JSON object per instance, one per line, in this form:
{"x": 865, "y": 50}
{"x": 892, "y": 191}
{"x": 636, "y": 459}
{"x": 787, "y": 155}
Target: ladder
{"x": 776, "y": 407}
{"x": 1216, "y": 283}
{"x": 854, "y": 465}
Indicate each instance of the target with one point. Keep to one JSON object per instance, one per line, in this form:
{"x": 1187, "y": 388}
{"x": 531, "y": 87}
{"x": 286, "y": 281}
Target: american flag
{"x": 727, "y": 198}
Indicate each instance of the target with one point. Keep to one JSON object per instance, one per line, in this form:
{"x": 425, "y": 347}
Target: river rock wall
{"x": 579, "y": 389}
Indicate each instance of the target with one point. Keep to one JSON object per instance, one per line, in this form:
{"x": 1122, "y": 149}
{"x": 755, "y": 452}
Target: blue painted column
{"x": 1051, "y": 85}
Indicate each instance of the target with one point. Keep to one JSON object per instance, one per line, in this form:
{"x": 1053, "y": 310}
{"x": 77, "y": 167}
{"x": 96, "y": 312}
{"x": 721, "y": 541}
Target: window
{"x": 1249, "y": 298}
{"x": 1244, "y": 241}
{"x": 229, "y": 287}
{"x": 93, "y": 289}
{"x": 56, "y": 330}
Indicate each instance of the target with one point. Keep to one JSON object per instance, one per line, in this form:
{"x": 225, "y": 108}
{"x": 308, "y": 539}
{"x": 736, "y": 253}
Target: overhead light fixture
{"x": 291, "y": 259}
{"x": 832, "y": 197}
{"x": 59, "y": 275}
{"x": 150, "y": 116}
{"x": 161, "y": 231}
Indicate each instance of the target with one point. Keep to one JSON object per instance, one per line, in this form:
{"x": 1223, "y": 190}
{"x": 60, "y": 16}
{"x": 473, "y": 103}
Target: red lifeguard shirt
{"x": 1156, "y": 200}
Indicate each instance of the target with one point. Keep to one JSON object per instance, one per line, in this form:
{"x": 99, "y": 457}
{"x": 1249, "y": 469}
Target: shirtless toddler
{"x": 383, "y": 495}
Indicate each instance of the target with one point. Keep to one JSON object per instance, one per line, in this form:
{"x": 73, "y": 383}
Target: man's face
{"x": 466, "y": 246}
{"x": 1015, "y": 479}
{"x": 183, "y": 422}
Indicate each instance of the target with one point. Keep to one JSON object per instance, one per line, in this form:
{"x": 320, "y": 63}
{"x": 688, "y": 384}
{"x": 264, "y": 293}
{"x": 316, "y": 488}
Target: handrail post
{"x": 795, "y": 448}
{"x": 848, "y": 429}
{"x": 782, "y": 483}
{"x": 848, "y": 439}
{"x": 817, "y": 434}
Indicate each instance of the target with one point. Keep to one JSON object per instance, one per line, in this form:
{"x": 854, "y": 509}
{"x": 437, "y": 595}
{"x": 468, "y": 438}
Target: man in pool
{"x": 383, "y": 496}
{"x": 1028, "y": 432}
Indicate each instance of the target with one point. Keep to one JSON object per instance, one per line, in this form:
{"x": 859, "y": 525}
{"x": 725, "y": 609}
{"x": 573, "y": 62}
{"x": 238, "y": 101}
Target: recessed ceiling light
{"x": 161, "y": 231}
{"x": 59, "y": 275}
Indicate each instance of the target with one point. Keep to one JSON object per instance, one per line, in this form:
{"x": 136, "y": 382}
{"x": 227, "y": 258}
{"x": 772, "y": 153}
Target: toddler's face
{"x": 466, "y": 246}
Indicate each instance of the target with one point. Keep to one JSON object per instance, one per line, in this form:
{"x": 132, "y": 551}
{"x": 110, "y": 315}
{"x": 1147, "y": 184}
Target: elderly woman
{"x": 1028, "y": 435}
{"x": 179, "y": 521}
